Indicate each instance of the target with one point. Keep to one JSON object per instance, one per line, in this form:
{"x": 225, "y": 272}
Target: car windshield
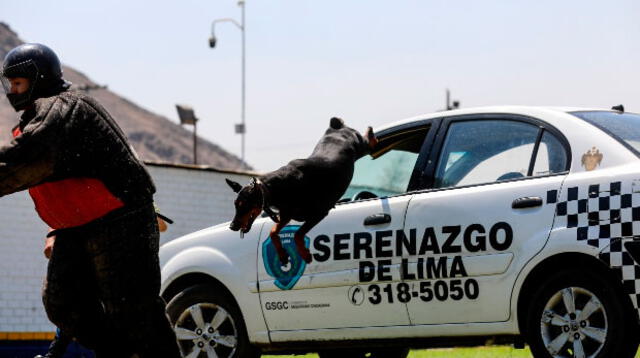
{"x": 625, "y": 127}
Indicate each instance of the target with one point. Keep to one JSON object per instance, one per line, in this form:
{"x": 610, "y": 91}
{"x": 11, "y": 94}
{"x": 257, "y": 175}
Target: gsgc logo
{"x": 285, "y": 276}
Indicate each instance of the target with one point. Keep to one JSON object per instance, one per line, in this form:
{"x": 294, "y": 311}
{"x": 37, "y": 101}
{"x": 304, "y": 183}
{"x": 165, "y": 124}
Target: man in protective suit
{"x": 88, "y": 185}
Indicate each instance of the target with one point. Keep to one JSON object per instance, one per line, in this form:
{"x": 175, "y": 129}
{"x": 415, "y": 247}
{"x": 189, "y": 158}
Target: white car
{"x": 508, "y": 224}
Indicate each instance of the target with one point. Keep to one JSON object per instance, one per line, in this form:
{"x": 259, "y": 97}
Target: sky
{"x": 370, "y": 62}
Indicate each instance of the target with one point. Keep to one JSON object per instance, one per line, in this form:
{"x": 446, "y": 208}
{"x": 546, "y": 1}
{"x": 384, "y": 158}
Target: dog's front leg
{"x": 372, "y": 140}
{"x": 299, "y": 238}
{"x": 275, "y": 238}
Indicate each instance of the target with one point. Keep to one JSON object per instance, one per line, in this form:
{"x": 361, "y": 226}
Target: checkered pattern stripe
{"x": 602, "y": 215}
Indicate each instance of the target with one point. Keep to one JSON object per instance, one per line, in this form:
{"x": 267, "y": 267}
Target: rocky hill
{"x": 154, "y": 137}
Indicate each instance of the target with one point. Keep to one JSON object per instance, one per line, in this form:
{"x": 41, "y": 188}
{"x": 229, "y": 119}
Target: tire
{"x": 362, "y": 353}
{"x": 206, "y": 319}
{"x": 595, "y": 326}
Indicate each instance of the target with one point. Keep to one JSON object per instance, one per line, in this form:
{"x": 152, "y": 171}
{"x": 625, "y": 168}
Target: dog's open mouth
{"x": 243, "y": 227}
{"x": 237, "y": 227}
{"x": 246, "y": 229}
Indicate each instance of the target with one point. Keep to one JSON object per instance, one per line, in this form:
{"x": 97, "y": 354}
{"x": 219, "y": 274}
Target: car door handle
{"x": 377, "y": 219}
{"x": 526, "y": 202}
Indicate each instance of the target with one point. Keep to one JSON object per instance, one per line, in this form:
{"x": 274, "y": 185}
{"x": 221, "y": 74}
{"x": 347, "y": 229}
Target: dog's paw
{"x": 306, "y": 256}
{"x": 371, "y": 138}
{"x": 336, "y": 123}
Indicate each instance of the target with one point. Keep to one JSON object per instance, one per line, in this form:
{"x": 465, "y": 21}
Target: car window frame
{"x": 427, "y": 180}
{"x": 423, "y": 154}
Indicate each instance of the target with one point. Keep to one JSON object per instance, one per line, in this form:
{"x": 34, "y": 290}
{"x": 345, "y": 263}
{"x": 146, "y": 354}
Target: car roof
{"x": 521, "y": 110}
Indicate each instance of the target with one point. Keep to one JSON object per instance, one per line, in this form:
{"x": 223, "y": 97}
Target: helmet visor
{"x": 19, "y": 92}
{"x": 27, "y": 69}
{"x": 6, "y": 85}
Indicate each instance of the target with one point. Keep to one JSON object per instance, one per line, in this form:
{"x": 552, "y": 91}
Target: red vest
{"x": 72, "y": 202}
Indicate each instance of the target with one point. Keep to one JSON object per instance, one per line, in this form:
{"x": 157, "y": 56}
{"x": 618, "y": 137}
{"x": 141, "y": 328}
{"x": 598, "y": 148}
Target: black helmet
{"x": 40, "y": 65}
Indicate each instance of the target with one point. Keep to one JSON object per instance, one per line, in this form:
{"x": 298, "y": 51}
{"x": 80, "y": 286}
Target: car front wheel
{"x": 580, "y": 314}
{"x": 209, "y": 324}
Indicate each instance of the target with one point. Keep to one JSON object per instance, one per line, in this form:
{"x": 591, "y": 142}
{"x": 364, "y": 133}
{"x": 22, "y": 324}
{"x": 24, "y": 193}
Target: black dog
{"x": 305, "y": 189}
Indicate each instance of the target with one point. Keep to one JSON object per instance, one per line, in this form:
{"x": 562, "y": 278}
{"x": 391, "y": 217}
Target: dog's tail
{"x": 336, "y": 123}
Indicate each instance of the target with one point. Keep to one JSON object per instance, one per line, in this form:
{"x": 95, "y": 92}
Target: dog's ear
{"x": 235, "y": 186}
{"x": 336, "y": 123}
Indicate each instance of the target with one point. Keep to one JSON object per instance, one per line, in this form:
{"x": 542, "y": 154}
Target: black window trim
{"x": 534, "y": 154}
{"x": 428, "y": 173}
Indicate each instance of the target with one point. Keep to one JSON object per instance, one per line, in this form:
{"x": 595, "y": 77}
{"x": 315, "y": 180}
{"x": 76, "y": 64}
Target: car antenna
{"x": 619, "y": 108}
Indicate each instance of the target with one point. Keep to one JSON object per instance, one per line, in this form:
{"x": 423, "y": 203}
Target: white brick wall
{"x": 193, "y": 198}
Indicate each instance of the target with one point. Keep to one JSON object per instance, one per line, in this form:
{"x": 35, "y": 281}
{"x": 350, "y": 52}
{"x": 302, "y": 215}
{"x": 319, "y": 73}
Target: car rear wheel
{"x": 362, "y": 353}
{"x": 580, "y": 314}
{"x": 209, "y": 324}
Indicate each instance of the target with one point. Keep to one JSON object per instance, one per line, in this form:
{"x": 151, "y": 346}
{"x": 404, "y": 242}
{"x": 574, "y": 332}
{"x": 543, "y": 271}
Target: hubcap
{"x": 206, "y": 330}
{"x": 574, "y": 324}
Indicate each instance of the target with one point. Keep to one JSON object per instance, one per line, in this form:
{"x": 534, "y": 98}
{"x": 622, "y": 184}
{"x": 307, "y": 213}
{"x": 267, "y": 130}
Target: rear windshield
{"x": 625, "y": 127}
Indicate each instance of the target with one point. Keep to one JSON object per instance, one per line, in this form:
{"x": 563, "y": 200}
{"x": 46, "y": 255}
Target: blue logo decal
{"x": 286, "y": 277}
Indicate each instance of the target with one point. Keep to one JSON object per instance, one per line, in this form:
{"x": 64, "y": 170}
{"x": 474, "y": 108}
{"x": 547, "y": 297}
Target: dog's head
{"x": 248, "y": 205}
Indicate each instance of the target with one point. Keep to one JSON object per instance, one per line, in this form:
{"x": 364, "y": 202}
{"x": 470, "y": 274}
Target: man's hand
{"x": 162, "y": 225}
{"x": 48, "y": 246}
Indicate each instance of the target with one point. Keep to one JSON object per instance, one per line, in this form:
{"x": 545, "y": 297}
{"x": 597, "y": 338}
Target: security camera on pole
{"x": 240, "y": 127}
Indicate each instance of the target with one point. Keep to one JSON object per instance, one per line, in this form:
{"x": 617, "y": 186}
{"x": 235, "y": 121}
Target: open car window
{"x": 388, "y": 170}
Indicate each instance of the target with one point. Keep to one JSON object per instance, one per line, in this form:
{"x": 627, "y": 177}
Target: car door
{"x": 481, "y": 217}
{"x": 350, "y": 282}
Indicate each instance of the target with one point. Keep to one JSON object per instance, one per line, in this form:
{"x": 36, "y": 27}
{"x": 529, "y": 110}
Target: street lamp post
{"x": 454, "y": 105}
{"x": 240, "y": 128}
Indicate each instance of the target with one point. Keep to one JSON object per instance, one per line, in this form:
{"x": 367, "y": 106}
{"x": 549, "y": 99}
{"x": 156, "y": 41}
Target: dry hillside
{"x": 154, "y": 137}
